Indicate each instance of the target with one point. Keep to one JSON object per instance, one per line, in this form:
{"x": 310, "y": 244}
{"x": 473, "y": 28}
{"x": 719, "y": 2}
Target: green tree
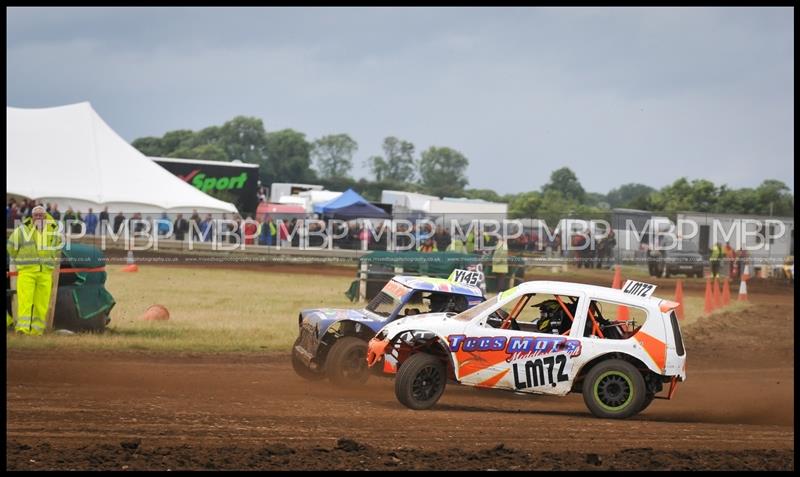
{"x": 773, "y": 196}
{"x": 379, "y": 167}
{"x": 563, "y": 181}
{"x": 150, "y": 146}
{"x": 397, "y": 164}
{"x": 244, "y": 138}
{"x": 208, "y": 152}
{"x": 288, "y": 157}
{"x": 525, "y": 205}
{"x": 442, "y": 170}
{"x": 630, "y": 195}
{"x": 333, "y": 155}
{"x": 174, "y": 140}
{"x": 485, "y": 194}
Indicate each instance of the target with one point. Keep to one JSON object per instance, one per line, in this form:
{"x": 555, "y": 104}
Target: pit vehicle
{"x": 333, "y": 342}
{"x": 682, "y": 259}
{"x": 617, "y": 347}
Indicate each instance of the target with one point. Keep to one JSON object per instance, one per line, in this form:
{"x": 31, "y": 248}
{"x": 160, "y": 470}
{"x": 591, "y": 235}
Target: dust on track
{"x": 106, "y": 410}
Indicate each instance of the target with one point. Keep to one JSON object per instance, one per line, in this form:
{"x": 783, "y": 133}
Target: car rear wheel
{"x": 614, "y": 389}
{"x": 347, "y": 362}
{"x": 420, "y": 381}
{"x": 301, "y": 369}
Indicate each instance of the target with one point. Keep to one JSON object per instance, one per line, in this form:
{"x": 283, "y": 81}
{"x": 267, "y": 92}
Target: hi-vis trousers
{"x": 33, "y": 298}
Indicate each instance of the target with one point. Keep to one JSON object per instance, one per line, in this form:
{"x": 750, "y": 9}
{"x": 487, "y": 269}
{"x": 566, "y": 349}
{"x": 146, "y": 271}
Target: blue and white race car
{"x": 333, "y": 342}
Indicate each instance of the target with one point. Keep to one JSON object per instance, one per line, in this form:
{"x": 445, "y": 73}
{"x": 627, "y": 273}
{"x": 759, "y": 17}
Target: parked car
{"x": 684, "y": 259}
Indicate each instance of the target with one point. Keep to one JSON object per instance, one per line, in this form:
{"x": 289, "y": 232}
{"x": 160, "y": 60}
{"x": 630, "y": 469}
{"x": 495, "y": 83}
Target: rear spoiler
{"x": 667, "y": 305}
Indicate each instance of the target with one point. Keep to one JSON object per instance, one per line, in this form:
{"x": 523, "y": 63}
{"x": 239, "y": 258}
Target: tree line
{"x": 288, "y": 156}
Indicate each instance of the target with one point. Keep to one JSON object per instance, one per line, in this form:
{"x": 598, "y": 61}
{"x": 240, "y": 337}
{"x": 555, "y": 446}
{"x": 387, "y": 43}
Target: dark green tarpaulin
{"x": 87, "y": 289}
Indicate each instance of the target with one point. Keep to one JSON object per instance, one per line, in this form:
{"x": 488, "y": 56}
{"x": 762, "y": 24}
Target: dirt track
{"x": 82, "y": 410}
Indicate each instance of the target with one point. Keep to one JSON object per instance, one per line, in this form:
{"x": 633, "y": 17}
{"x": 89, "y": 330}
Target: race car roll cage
{"x": 523, "y": 301}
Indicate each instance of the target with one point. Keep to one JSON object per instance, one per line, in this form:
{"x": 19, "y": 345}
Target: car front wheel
{"x": 614, "y": 389}
{"x": 420, "y": 381}
{"x": 347, "y": 362}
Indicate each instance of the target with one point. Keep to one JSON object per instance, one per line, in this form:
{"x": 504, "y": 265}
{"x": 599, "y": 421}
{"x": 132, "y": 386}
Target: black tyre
{"x": 647, "y": 400}
{"x": 301, "y": 369}
{"x": 420, "y": 381}
{"x": 346, "y": 364}
{"x": 614, "y": 389}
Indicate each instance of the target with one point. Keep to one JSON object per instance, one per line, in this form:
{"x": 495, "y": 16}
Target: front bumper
{"x": 306, "y": 349}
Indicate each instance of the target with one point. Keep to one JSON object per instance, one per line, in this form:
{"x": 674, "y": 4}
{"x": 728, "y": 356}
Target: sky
{"x": 619, "y": 95}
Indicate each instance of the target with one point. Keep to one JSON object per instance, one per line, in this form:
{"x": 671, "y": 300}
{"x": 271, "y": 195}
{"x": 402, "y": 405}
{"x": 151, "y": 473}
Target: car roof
{"x": 594, "y": 291}
{"x": 438, "y": 284}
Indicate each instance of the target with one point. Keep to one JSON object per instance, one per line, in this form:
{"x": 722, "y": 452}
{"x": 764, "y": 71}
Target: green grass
{"x": 220, "y": 310}
{"x": 210, "y": 310}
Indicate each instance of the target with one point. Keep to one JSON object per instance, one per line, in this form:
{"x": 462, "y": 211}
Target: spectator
{"x": 442, "y": 238}
{"x": 163, "y": 225}
{"x": 91, "y": 222}
{"x": 206, "y": 229}
{"x": 119, "y": 220}
{"x": 716, "y": 255}
{"x": 741, "y": 261}
{"x": 54, "y": 213}
{"x": 103, "y": 220}
{"x": 72, "y": 221}
{"x": 428, "y": 245}
{"x": 12, "y": 214}
{"x": 181, "y": 226}
{"x": 194, "y": 223}
{"x": 500, "y": 264}
{"x": 250, "y": 230}
{"x": 730, "y": 257}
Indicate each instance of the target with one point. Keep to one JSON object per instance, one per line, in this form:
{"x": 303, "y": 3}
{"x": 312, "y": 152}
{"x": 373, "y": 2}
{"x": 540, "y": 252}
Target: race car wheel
{"x": 420, "y": 381}
{"x": 347, "y": 362}
{"x": 647, "y": 401}
{"x": 614, "y": 389}
{"x": 301, "y": 369}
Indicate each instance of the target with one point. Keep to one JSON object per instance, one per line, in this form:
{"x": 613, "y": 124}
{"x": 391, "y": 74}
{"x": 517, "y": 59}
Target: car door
{"x": 528, "y": 360}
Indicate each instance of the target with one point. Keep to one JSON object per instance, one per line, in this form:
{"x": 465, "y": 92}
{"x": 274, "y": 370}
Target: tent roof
{"x": 351, "y": 205}
{"x": 69, "y": 153}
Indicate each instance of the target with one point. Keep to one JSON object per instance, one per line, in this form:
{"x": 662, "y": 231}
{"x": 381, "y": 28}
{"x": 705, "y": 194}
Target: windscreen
{"x": 470, "y": 314}
{"x": 388, "y": 299}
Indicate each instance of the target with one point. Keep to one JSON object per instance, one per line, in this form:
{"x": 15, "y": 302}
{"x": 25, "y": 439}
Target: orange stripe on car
{"x": 470, "y": 362}
{"x": 657, "y": 349}
{"x": 489, "y": 383}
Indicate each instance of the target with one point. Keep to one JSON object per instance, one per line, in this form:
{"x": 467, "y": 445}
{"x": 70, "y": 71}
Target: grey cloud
{"x": 619, "y": 95}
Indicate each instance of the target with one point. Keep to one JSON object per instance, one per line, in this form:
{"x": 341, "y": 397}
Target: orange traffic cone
{"x": 746, "y": 273}
{"x": 131, "y": 266}
{"x": 726, "y": 292}
{"x": 717, "y": 297}
{"x": 743, "y": 291}
{"x": 709, "y": 305}
{"x": 622, "y": 311}
{"x": 679, "y": 299}
{"x": 617, "y": 282}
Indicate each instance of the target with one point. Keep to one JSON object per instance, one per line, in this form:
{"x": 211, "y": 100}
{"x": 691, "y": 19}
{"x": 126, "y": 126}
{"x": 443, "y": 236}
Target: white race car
{"x": 617, "y": 347}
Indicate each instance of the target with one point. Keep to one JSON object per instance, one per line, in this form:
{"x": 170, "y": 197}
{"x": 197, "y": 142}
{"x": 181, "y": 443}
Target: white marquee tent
{"x": 68, "y": 155}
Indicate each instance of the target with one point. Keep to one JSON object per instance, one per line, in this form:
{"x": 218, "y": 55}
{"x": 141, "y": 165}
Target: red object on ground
{"x": 131, "y": 268}
{"x": 155, "y": 313}
{"x": 679, "y": 299}
{"x": 709, "y": 304}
